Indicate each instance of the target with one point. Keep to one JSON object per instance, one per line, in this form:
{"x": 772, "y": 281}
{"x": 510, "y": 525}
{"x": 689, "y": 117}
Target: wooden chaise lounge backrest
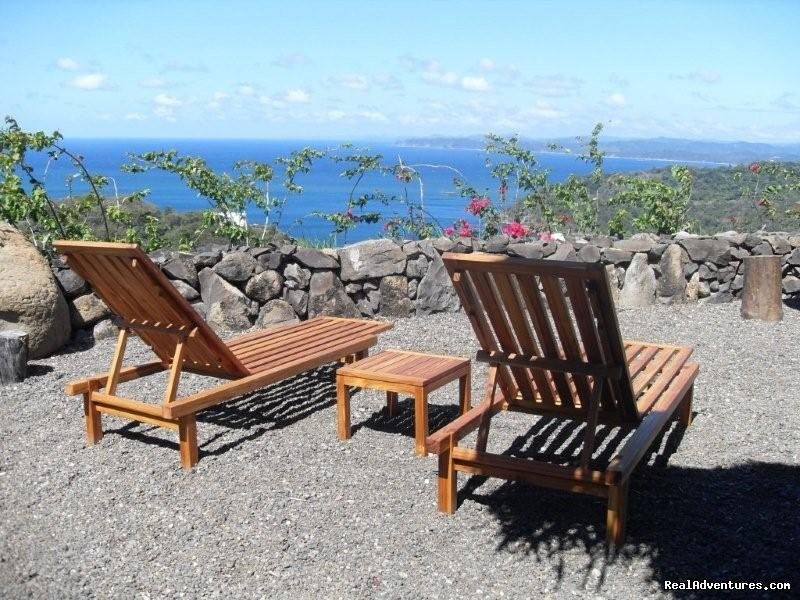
{"x": 551, "y": 329}
{"x": 141, "y": 295}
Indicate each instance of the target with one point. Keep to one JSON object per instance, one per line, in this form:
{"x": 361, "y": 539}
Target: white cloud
{"x": 216, "y": 99}
{"x": 165, "y": 112}
{"x": 702, "y": 76}
{"x": 67, "y": 64}
{"x": 297, "y": 96}
{"x": 486, "y": 64}
{"x": 474, "y": 84}
{"x": 434, "y": 74}
{"x": 135, "y": 116}
{"x": 246, "y": 90}
{"x": 545, "y": 110}
{"x": 351, "y": 81}
{"x": 167, "y": 101}
{"x": 291, "y": 59}
{"x": 154, "y": 82}
{"x": 617, "y": 100}
{"x": 335, "y": 115}
{"x": 554, "y": 86}
{"x": 90, "y": 81}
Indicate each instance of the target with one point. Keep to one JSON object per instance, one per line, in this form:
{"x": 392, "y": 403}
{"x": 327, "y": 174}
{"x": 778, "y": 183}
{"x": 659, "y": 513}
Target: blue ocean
{"x": 324, "y": 187}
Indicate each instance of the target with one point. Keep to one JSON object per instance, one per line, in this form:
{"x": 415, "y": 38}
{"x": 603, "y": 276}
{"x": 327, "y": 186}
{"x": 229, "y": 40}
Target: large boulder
{"x": 639, "y": 288}
{"x": 394, "y": 300}
{"x": 181, "y": 267}
{"x": 297, "y": 278}
{"x": 30, "y": 298}
{"x": 264, "y": 286}
{"x": 375, "y": 258}
{"x": 276, "y": 312}
{"x": 88, "y": 310}
{"x": 705, "y": 249}
{"x": 316, "y": 259}
{"x": 328, "y": 297}
{"x": 236, "y": 267}
{"x": 672, "y": 283}
{"x": 435, "y": 291}
{"x": 227, "y": 308}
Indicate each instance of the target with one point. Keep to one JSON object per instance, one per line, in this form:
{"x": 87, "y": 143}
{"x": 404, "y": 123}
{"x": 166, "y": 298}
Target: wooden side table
{"x": 402, "y": 371}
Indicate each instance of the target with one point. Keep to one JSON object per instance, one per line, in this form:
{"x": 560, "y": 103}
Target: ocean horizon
{"x": 324, "y": 188}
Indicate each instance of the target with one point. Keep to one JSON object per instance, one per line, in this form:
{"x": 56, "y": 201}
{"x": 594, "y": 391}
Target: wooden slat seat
{"x": 549, "y": 332}
{"x": 148, "y": 305}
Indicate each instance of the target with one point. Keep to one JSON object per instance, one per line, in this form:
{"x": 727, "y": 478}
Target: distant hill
{"x": 667, "y": 148}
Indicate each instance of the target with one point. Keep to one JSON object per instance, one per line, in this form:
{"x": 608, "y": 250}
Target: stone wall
{"x": 258, "y": 287}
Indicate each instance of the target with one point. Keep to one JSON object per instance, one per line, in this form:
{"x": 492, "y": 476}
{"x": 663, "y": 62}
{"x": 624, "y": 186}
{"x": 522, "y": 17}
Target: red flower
{"x": 477, "y": 206}
{"x": 515, "y": 230}
{"x": 754, "y": 167}
{"x": 546, "y": 236}
{"x": 448, "y": 231}
{"x": 465, "y": 230}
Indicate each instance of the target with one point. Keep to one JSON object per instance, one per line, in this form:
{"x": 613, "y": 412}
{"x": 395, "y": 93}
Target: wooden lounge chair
{"x": 549, "y": 333}
{"x": 150, "y": 306}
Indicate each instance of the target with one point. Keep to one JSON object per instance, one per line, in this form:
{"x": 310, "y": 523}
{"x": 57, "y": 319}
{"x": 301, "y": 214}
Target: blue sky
{"x": 359, "y": 70}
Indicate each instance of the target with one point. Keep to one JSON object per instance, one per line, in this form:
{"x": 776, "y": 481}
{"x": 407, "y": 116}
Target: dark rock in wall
{"x": 394, "y": 300}
{"x": 327, "y": 296}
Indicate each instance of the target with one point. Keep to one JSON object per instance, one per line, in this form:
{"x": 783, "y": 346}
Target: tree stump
{"x": 13, "y": 356}
{"x": 761, "y": 292}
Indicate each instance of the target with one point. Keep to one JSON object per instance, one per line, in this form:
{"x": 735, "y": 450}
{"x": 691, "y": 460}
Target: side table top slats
{"x": 403, "y": 366}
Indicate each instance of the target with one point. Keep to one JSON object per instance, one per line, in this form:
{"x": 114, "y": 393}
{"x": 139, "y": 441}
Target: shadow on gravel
{"x": 34, "y": 370}
{"x": 403, "y": 420}
{"x": 252, "y": 415}
{"x": 739, "y": 523}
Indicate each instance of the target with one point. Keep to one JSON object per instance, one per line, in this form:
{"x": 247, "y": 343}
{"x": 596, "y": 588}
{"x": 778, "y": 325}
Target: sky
{"x": 721, "y": 70}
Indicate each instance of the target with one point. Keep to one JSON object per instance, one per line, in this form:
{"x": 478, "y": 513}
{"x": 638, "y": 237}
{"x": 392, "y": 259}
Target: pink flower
{"x": 349, "y": 214}
{"x": 465, "y": 230}
{"x": 477, "y": 206}
{"x": 515, "y": 230}
{"x": 546, "y": 236}
{"x": 754, "y": 167}
{"x": 448, "y": 231}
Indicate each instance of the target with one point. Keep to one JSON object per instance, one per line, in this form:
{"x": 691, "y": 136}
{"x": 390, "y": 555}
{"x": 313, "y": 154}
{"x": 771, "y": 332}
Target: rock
{"x": 780, "y": 245}
{"x": 368, "y": 286}
{"x": 288, "y": 249}
{"x": 30, "y": 298}
{"x": 639, "y": 288}
{"x": 461, "y": 244}
{"x": 737, "y": 283}
{"x": 374, "y": 258}
{"x": 613, "y": 282}
{"x": 299, "y": 301}
{"x": 751, "y": 241}
{"x": 739, "y": 253}
{"x": 703, "y": 289}
{"x": 417, "y": 267}
{"x": 589, "y": 253}
{"x": 327, "y": 296}
{"x": 720, "y": 297}
{"x": 412, "y": 249}
{"x": 263, "y": 287}
{"x": 206, "y": 259}
{"x": 236, "y": 267}
{"x": 684, "y": 235}
{"x": 226, "y": 308}
{"x": 601, "y": 241}
{"x": 315, "y": 259}
{"x": 794, "y": 258}
{"x": 435, "y": 291}
{"x": 565, "y": 251}
{"x": 270, "y": 261}
{"x": 732, "y": 237}
{"x": 705, "y": 249}
{"x": 105, "y": 329}
{"x": 706, "y": 272}
{"x": 394, "y": 296}
{"x": 634, "y": 244}
{"x": 657, "y": 251}
{"x": 443, "y": 244}
{"x": 161, "y": 256}
{"x": 412, "y": 288}
{"x": 794, "y": 240}
{"x": 690, "y": 268}
{"x": 496, "y": 244}
{"x": 616, "y": 256}
{"x": 181, "y": 267}
{"x": 791, "y": 284}
{"x": 296, "y": 277}
{"x": 353, "y": 288}
{"x": 762, "y": 249}
{"x": 725, "y": 274}
{"x": 528, "y": 250}
{"x": 87, "y": 310}
{"x": 200, "y": 308}
{"x": 185, "y": 289}
{"x": 427, "y": 248}
{"x": 72, "y": 284}
{"x": 672, "y": 283}
{"x": 274, "y": 313}
{"x": 693, "y": 288}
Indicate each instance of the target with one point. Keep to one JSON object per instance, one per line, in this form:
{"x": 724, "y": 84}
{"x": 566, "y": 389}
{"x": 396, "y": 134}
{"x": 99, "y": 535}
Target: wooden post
{"x": 13, "y": 355}
{"x": 761, "y": 292}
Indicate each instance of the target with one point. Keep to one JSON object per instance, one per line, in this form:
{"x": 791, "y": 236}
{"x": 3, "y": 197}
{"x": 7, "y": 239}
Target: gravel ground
{"x": 279, "y": 508}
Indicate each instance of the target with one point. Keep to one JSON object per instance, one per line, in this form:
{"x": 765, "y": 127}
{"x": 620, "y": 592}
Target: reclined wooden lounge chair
{"x": 150, "y": 306}
{"x": 550, "y": 336}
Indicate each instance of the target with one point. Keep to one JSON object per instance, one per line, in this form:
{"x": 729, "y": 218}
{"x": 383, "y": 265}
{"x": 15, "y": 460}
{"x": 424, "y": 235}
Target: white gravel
{"x": 279, "y": 508}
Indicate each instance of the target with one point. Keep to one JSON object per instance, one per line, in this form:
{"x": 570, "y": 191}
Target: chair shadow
{"x": 402, "y": 422}
{"x": 736, "y": 523}
{"x": 252, "y": 415}
{"x": 35, "y": 370}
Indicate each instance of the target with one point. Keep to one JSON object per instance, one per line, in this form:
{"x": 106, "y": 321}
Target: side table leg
{"x": 391, "y": 403}
{"x": 420, "y": 421}
{"x": 342, "y": 409}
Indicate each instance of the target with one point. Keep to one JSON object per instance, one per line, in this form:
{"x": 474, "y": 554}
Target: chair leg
{"x": 342, "y": 409}
{"x": 465, "y": 393}
{"x": 391, "y": 403}
{"x": 187, "y": 441}
{"x": 685, "y": 408}
{"x": 420, "y": 421}
{"x": 94, "y": 426}
{"x": 617, "y": 514}
{"x": 446, "y": 481}
{"x": 483, "y": 432}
